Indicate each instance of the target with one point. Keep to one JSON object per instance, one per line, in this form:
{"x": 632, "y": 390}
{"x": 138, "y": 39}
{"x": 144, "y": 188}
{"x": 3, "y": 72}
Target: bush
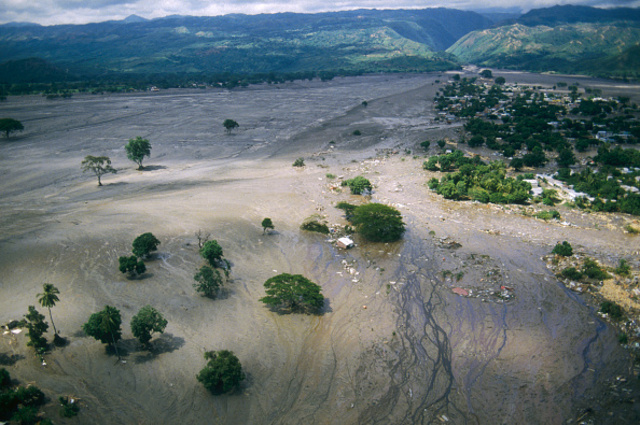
{"x": 223, "y": 372}
{"x": 425, "y": 145}
{"x": 593, "y": 270}
{"x": 358, "y": 185}
{"x": 548, "y": 215}
{"x": 68, "y": 409}
{"x": 571, "y": 273}
{"x": 563, "y": 249}
{"x": 298, "y": 162}
{"x": 612, "y": 309}
{"x": 378, "y": 222}
{"x": 293, "y": 293}
{"x": 623, "y": 268}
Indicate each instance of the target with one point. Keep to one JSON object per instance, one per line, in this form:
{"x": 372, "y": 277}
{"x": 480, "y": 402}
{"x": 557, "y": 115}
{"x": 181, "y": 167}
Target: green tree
{"x": 98, "y": 165}
{"x": 223, "y": 372}
{"x": 267, "y": 224}
{"x": 36, "y": 327}
{"x": 500, "y": 81}
{"x": 486, "y": 73}
{"x": 9, "y": 125}
{"x": 212, "y": 252}
{"x": 131, "y": 265}
{"x": 144, "y": 244}
{"x": 566, "y": 158}
{"x": 230, "y": 124}
{"x": 294, "y": 293}
{"x": 209, "y": 281}
{"x": 105, "y": 326}
{"x": 147, "y": 321}
{"x": 48, "y": 299}
{"x": 378, "y": 222}
{"x": 358, "y": 185}
{"x": 137, "y": 149}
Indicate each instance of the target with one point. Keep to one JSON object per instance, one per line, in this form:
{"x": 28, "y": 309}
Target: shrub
{"x": 68, "y": 409}
{"x": 131, "y": 265}
{"x": 563, "y": 249}
{"x": 425, "y": 145}
{"x": 298, "y": 162}
{"x": 548, "y": 215}
{"x": 612, "y": 309}
{"x": 357, "y": 132}
{"x": 593, "y": 270}
{"x": 571, "y": 273}
{"x": 358, "y": 185}
{"x": 623, "y": 268}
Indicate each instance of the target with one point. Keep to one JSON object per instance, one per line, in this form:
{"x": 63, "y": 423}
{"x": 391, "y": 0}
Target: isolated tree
{"x": 223, "y": 372}
{"x": 486, "y": 73}
{"x": 48, "y": 298}
{"x": 98, "y": 165}
{"x": 144, "y": 244}
{"x": 105, "y": 326}
{"x": 9, "y": 125}
{"x": 378, "y": 222}
{"x": 131, "y": 265}
{"x": 230, "y": 124}
{"x": 147, "y": 321}
{"x": 137, "y": 149}
{"x": 267, "y": 224}
{"x": 209, "y": 281}
{"x": 294, "y": 293}
{"x": 36, "y": 327}
{"x": 500, "y": 81}
{"x": 212, "y": 252}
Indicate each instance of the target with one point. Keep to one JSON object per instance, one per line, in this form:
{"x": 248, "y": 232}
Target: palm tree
{"x": 48, "y": 299}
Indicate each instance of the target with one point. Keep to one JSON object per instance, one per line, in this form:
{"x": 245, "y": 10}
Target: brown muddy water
{"x": 395, "y": 344}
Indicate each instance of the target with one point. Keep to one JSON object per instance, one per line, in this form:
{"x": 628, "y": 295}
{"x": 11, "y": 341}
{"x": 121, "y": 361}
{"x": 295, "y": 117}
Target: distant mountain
{"x": 556, "y": 45}
{"x": 557, "y": 15}
{"x": 134, "y": 19}
{"x": 361, "y": 40}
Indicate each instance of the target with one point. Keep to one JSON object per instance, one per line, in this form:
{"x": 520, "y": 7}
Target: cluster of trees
{"x": 477, "y": 181}
{"x": 136, "y": 150}
{"x": 142, "y": 246}
{"x": 211, "y": 277}
{"x": 105, "y": 325}
{"x": 20, "y": 404}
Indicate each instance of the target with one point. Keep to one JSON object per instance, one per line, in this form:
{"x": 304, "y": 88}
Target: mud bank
{"x": 395, "y": 344}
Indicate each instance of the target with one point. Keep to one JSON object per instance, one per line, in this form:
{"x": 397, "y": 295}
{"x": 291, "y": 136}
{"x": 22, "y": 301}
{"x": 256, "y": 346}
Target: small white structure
{"x": 344, "y": 243}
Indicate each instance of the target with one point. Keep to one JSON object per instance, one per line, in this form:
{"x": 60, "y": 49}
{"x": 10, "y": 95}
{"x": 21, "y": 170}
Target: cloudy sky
{"x": 49, "y": 12}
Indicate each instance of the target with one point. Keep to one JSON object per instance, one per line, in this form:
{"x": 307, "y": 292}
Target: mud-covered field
{"x": 395, "y": 344}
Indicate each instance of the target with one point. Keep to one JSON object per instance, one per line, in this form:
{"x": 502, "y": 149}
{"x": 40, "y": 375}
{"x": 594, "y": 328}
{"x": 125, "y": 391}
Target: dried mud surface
{"x": 395, "y": 345}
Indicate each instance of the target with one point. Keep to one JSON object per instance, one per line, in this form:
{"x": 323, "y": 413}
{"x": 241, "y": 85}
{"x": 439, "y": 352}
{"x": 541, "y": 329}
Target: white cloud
{"x": 49, "y": 12}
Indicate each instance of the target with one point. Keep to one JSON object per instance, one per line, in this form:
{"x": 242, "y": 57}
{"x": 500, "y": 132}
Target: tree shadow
{"x": 153, "y": 167}
{"x": 142, "y": 276}
{"x": 165, "y": 343}
{"x": 10, "y": 359}
{"x": 113, "y": 184}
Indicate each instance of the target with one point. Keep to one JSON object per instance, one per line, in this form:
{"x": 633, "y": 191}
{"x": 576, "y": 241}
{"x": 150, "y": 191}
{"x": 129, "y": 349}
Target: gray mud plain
{"x": 395, "y": 345}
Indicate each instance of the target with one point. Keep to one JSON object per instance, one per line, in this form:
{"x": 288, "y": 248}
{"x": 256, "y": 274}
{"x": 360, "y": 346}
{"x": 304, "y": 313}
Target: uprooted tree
{"x": 293, "y": 293}
{"x": 98, "y": 165}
